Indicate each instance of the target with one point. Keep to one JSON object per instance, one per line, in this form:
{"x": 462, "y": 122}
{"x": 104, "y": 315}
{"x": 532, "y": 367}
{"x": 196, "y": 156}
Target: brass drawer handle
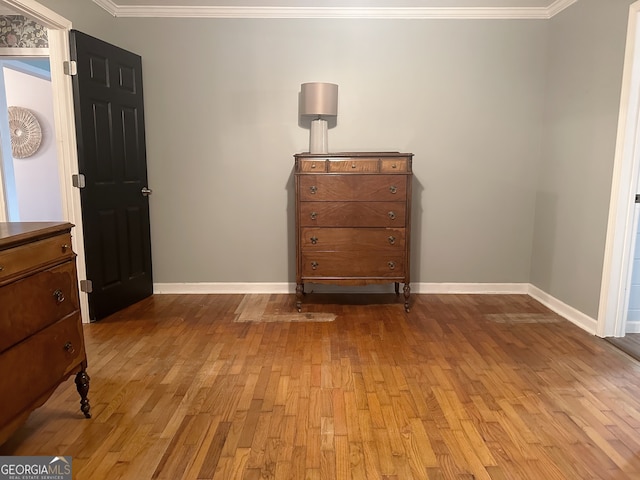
{"x": 314, "y": 215}
{"x": 59, "y": 296}
{"x": 392, "y": 240}
{"x": 392, "y": 215}
{"x": 314, "y": 265}
{"x": 65, "y": 247}
{"x": 1, "y": 268}
{"x": 392, "y": 265}
{"x": 394, "y": 166}
{"x": 313, "y": 189}
{"x": 314, "y": 240}
{"x": 313, "y": 165}
{"x": 353, "y": 165}
{"x": 393, "y": 189}
{"x": 69, "y": 348}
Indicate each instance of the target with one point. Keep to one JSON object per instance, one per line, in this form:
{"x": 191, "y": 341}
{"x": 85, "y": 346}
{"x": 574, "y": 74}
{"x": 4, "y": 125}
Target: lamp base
{"x": 319, "y": 136}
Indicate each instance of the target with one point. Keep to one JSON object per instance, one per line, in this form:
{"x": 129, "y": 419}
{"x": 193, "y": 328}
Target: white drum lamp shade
{"x": 319, "y": 100}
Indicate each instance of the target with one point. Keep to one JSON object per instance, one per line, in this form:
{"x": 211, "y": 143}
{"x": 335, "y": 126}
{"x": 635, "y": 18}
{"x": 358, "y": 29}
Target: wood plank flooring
{"x": 630, "y": 344}
{"x": 462, "y": 387}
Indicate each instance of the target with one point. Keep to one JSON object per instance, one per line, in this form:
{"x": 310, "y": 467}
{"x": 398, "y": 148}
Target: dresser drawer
{"x": 33, "y": 255}
{"x": 317, "y": 188}
{"x": 368, "y": 165}
{"x": 352, "y": 214}
{"x": 34, "y": 367}
{"x": 394, "y": 165}
{"x": 346, "y": 264}
{"x": 352, "y": 239}
{"x": 312, "y": 166}
{"x": 32, "y": 303}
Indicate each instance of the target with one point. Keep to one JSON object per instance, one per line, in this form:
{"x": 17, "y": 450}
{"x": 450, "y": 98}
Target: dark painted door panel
{"x": 110, "y": 132}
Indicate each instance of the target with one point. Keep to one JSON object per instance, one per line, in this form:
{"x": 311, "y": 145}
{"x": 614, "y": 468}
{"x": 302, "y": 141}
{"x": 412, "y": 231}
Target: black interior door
{"x": 109, "y": 116}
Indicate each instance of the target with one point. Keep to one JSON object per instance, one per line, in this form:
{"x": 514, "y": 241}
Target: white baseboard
{"x": 574, "y": 316}
{"x": 440, "y": 288}
{"x": 222, "y": 287}
{"x": 632, "y": 327}
{"x": 471, "y": 288}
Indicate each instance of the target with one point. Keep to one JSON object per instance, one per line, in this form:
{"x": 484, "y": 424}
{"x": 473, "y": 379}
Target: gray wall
{"x": 222, "y": 128}
{"x": 586, "y": 53}
{"x": 221, "y": 103}
{"x": 512, "y": 123}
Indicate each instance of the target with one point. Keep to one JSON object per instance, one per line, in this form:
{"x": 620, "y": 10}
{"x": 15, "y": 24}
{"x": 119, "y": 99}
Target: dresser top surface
{"x": 339, "y": 155}
{"x": 15, "y": 233}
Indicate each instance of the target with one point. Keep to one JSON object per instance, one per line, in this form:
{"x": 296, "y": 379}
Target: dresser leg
{"x": 407, "y": 291}
{"x": 82, "y": 384}
{"x": 299, "y": 294}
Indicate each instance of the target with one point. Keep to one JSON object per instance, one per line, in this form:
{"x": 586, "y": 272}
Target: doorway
{"x": 30, "y": 190}
{"x": 58, "y": 29}
{"x": 621, "y": 270}
{"x": 630, "y": 341}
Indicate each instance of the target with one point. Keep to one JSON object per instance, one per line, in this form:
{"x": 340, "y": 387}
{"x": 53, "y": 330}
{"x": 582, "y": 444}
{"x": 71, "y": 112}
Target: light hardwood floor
{"x": 462, "y": 387}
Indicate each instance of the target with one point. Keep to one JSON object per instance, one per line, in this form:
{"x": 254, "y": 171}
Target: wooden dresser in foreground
{"x": 353, "y": 219}
{"x": 41, "y": 339}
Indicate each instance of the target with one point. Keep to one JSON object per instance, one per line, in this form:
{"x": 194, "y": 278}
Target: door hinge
{"x": 86, "y": 286}
{"x": 77, "y": 179}
{"x": 70, "y": 67}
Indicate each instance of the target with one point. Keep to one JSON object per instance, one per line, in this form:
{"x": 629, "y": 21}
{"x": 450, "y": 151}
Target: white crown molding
{"x": 558, "y": 6}
{"x": 417, "y": 13}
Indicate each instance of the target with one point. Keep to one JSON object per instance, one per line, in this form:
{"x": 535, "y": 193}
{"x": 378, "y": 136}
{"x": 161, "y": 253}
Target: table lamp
{"x": 319, "y": 100}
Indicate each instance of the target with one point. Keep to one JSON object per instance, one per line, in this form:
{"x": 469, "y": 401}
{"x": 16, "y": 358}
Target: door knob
{"x": 146, "y": 191}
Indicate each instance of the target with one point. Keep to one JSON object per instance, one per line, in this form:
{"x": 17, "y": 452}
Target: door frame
{"x": 622, "y": 224}
{"x": 58, "y": 29}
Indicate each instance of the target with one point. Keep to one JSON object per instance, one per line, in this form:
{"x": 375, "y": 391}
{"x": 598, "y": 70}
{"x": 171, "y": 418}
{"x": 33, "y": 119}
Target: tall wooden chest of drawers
{"x": 353, "y": 219}
{"x": 41, "y": 339}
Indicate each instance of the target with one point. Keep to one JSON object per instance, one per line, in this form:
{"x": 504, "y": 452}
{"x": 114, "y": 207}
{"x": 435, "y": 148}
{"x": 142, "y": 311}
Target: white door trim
{"x": 65, "y": 130}
{"x": 620, "y": 241}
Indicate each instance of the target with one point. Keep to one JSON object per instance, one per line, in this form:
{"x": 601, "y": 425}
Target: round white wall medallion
{"x": 26, "y": 133}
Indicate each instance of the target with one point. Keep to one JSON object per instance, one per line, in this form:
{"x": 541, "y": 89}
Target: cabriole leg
{"x": 299, "y": 294}
{"x": 82, "y": 384}
{"x": 407, "y": 292}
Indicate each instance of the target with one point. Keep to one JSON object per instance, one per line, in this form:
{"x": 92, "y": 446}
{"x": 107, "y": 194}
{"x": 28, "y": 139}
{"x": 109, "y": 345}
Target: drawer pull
{"x": 392, "y": 240}
{"x": 393, "y": 189}
{"x": 1, "y": 268}
{"x": 392, "y": 215}
{"x": 69, "y": 348}
{"x": 314, "y": 265}
{"x": 313, "y": 189}
{"x": 65, "y": 247}
{"x": 314, "y": 240}
{"x": 353, "y": 165}
{"x": 314, "y": 215}
{"x": 394, "y": 166}
{"x": 392, "y": 265}
{"x": 313, "y": 165}
{"x": 59, "y": 296}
